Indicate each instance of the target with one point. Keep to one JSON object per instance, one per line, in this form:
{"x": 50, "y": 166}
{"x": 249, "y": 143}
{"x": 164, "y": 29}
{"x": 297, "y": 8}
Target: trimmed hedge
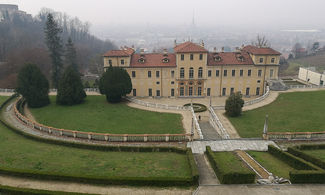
{"x": 307, "y": 176}
{"x": 311, "y": 147}
{"x": 307, "y": 157}
{"x": 225, "y": 174}
{"x": 194, "y": 169}
{"x": 291, "y": 160}
{"x": 27, "y": 191}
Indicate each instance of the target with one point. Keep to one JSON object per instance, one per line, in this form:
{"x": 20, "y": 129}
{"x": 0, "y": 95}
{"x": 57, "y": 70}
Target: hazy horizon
{"x": 279, "y": 14}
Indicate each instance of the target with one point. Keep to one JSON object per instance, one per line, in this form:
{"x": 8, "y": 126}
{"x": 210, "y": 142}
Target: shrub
{"x": 194, "y": 170}
{"x": 291, "y": 160}
{"x": 311, "y": 147}
{"x": 70, "y": 89}
{"x": 225, "y": 172}
{"x": 33, "y": 86}
{"x": 234, "y": 104}
{"x": 307, "y": 176}
{"x": 115, "y": 83}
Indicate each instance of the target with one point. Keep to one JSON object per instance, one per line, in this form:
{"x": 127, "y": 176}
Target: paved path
{"x": 198, "y": 147}
{"x": 209, "y": 133}
{"x": 207, "y": 175}
{"x": 261, "y": 189}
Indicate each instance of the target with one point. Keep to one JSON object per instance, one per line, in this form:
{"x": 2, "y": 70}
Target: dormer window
{"x": 241, "y": 58}
{"x": 165, "y": 60}
{"x": 217, "y": 58}
{"x": 141, "y": 60}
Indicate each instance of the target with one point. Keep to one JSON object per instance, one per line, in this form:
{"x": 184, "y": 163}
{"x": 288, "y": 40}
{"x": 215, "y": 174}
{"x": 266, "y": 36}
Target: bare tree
{"x": 261, "y": 42}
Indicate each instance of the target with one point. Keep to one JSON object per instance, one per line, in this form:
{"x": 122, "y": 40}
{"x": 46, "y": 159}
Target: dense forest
{"x": 22, "y": 40}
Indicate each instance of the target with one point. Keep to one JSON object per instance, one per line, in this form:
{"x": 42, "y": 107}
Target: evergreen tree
{"x": 54, "y": 44}
{"x": 115, "y": 83}
{"x": 70, "y": 90}
{"x": 71, "y": 55}
{"x": 33, "y": 86}
{"x": 234, "y": 104}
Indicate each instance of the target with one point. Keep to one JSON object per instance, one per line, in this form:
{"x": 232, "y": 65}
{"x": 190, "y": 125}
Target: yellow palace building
{"x": 193, "y": 71}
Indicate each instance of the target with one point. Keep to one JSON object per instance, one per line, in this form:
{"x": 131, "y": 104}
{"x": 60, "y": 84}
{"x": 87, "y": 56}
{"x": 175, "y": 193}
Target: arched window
{"x": 181, "y": 73}
{"x": 200, "y": 72}
{"x": 191, "y": 73}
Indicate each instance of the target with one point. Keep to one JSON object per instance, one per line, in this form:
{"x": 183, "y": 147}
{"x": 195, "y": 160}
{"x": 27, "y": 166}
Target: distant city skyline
{"x": 281, "y": 14}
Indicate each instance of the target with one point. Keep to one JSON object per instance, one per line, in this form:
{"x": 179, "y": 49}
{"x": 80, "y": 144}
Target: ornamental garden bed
{"x": 197, "y": 107}
{"x": 290, "y": 112}
{"x": 96, "y": 115}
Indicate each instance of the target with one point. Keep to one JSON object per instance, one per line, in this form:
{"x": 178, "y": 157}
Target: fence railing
{"x": 196, "y": 123}
{"x": 216, "y": 124}
{"x": 249, "y": 102}
{"x": 7, "y": 90}
{"x": 85, "y": 89}
{"x": 156, "y": 105}
{"x": 295, "y": 135}
{"x": 305, "y": 86}
{"x": 101, "y": 136}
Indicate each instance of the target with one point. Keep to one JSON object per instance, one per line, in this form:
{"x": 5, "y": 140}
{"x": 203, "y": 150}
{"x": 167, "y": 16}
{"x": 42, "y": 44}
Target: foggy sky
{"x": 286, "y": 14}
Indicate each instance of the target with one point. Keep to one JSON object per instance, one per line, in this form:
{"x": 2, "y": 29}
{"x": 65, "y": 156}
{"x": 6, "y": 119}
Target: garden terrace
{"x": 27, "y": 157}
{"x": 96, "y": 115}
{"x": 290, "y": 112}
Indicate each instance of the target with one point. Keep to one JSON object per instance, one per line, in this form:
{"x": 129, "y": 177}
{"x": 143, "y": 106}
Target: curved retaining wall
{"x": 99, "y": 136}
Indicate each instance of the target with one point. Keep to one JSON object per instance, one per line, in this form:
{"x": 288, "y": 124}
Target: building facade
{"x": 193, "y": 71}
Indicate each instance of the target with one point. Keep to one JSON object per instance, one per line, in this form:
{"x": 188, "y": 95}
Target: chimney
{"x": 175, "y": 43}
{"x": 222, "y": 49}
{"x": 202, "y": 43}
{"x": 141, "y": 50}
{"x": 165, "y": 51}
{"x": 133, "y": 47}
{"x": 215, "y": 50}
{"x": 237, "y": 49}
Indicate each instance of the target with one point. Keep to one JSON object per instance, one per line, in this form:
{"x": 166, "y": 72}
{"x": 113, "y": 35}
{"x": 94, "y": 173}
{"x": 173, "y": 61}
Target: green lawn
{"x": 316, "y": 153}
{"x": 291, "y": 112}
{"x": 272, "y": 164}
{"x": 3, "y": 99}
{"x": 25, "y": 154}
{"x": 229, "y": 162}
{"x": 96, "y": 115}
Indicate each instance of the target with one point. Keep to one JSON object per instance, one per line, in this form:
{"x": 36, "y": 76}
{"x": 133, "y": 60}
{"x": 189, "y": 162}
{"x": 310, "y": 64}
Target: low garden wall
{"x": 295, "y": 135}
{"x": 99, "y": 136}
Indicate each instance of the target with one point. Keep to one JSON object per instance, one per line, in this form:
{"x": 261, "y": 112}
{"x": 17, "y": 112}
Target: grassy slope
{"x": 298, "y": 111}
{"x": 316, "y": 153}
{"x": 96, "y": 115}
{"x": 21, "y": 153}
{"x": 272, "y": 164}
{"x": 318, "y": 61}
{"x": 230, "y": 162}
{"x": 3, "y": 98}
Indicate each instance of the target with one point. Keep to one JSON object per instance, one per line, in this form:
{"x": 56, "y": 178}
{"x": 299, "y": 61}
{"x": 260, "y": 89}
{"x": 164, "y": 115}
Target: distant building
{"x": 310, "y": 75}
{"x": 8, "y": 11}
{"x": 192, "y": 71}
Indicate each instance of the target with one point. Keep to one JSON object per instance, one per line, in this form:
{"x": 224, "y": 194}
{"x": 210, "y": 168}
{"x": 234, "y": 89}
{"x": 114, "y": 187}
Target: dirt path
{"x": 259, "y": 170}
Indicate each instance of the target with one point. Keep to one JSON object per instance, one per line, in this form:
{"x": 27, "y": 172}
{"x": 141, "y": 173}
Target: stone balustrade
{"x": 216, "y": 124}
{"x": 196, "y": 123}
{"x": 101, "y": 136}
{"x": 295, "y": 135}
{"x": 156, "y": 105}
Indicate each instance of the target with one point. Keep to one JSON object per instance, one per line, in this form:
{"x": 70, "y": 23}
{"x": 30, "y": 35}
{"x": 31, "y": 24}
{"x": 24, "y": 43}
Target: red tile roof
{"x": 119, "y": 53}
{"x": 153, "y": 60}
{"x": 230, "y": 58}
{"x": 189, "y": 47}
{"x": 260, "y": 50}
